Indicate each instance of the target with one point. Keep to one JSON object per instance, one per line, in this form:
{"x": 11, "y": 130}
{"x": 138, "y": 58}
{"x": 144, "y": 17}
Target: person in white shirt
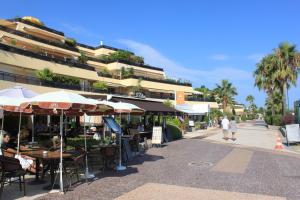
{"x": 225, "y": 127}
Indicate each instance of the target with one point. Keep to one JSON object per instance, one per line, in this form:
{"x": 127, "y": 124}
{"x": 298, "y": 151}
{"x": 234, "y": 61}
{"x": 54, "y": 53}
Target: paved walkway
{"x": 199, "y": 169}
{"x": 253, "y": 134}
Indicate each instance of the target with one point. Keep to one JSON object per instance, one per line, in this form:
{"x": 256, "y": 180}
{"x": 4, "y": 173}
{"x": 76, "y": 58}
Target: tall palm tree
{"x": 225, "y": 92}
{"x": 266, "y": 80}
{"x": 287, "y": 59}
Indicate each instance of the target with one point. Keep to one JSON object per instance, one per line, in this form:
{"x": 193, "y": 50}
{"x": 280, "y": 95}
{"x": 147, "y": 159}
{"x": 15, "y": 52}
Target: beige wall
{"x": 103, "y": 51}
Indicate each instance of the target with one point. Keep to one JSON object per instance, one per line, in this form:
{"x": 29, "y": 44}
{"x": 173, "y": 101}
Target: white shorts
{"x": 25, "y": 163}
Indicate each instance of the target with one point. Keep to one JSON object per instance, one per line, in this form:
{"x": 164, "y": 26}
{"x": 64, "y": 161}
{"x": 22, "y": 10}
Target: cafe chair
{"x": 11, "y": 168}
{"x": 109, "y": 157}
{"x": 73, "y": 166}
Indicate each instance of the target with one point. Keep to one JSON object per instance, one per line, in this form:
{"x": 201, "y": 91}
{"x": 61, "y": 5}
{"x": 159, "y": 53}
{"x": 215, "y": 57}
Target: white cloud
{"x": 255, "y": 57}
{"x": 174, "y": 69}
{"x": 219, "y": 57}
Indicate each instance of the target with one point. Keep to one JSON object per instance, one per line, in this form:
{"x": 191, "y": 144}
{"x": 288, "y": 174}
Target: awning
{"x": 198, "y": 109}
{"x": 150, "y": 107}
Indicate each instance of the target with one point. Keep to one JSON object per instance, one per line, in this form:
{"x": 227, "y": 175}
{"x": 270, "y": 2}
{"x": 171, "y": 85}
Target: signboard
{"x": 180, "y": 97}
{"x": 157, "y": 135}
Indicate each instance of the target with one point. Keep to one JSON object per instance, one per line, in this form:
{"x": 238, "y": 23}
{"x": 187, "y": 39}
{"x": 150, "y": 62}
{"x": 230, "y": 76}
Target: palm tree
{"x": 250, "y": 99}
{"x": 225, "y": 92}
{"x": 287, "y": 59}
{"x": 206, "y": 93}
{"x": 265, "y": 79}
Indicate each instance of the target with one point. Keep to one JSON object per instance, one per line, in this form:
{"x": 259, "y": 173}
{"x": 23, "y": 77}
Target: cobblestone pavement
{"x": 196, "y": 163}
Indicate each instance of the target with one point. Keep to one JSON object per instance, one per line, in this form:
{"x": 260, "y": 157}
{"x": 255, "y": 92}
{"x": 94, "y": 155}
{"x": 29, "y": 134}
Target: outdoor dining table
{"x": 51, "y": 157}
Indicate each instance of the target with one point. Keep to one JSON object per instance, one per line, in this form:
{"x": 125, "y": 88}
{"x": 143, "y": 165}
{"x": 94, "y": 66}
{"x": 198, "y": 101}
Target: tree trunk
{"x": 284, "y": 89}
{"x": 224, "y": 103}
{"x": 272, "y": 108}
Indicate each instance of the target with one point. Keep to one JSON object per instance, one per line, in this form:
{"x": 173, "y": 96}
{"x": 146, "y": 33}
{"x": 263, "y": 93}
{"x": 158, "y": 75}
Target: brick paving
{"x": 267, "y": 173}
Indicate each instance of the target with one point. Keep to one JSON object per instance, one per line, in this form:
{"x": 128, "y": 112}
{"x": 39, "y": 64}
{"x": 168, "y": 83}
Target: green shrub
{"x": 243, "y": 118}
{"x": 277, "y": 120}
{"x": 45, "y": 74}
{"x": 70, "y": 42}
{"x": 206, "y": 119}
{"x": 99, "y": 85}
{"x": 122, "y": 55}
{"x": 173, "y": 121}
{"x": 66, "y": 80}
{"x": 82, "y": 58}
{"x": 175, "y": 131}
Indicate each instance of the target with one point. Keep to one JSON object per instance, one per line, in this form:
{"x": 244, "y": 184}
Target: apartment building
{"x": 43, "y": 59}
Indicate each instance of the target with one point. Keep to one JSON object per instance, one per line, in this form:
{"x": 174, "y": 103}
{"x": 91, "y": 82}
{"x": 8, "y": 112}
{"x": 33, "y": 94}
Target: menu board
{"x": 157, "y": 135}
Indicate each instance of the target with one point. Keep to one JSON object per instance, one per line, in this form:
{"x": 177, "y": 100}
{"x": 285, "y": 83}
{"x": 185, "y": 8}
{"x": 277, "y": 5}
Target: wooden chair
{"x": 73, "y": 166}
{"x": 11, "y": 168}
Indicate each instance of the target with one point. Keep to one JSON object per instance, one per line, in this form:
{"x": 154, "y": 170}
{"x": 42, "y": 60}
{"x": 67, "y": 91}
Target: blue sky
{"x": 202, "y": 41}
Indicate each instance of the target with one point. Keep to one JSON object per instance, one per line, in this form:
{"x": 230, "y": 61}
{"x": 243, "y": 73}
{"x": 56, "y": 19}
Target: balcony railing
{"x": 25, "y": 35}
{"x": 68, "y": 62}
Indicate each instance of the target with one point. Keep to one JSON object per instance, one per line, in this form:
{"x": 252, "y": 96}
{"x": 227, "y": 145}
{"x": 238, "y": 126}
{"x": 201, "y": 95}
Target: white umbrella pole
{"x": 61, "y": 184}
{"x": 2, "y": 125}
{"x": 32, "y": 132}
{"x": 88, "y": 175}
{"x": 20, "y": 119}
{"x": 120, "y": 167}
{"x": 2, "y": 129}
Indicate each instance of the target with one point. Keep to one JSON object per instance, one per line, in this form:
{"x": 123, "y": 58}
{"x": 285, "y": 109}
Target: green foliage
{"x": 244, "y": 117}
{"x": 215, "y": 113}
{"x": 277, "y": 120}
{"x": 126, "y": 72}
{"x": 47, "y": 75}
{"x": 66, "y": 80}
{"x": 206, "y": 93}
{"x": 175, "y": 131}
{"x": 169, "y": 103}
{"x": 206, "y": 118}
{"x": 13, "y": 42}
{"x": 100, "y": 85}
{"x": 70, "y": 42}
{"x": 138, "y": 87}
{"x": 173, "y": 121}
{"x": 82, "y": 58}
{"x": 276, "y": 72}
{"x": 105, "y": 72}
{"x": 122, "y": 55}
{"x": 225, "y": 92}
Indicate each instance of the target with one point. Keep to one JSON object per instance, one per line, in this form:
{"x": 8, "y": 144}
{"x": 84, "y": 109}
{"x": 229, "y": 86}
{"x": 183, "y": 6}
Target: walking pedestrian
{"x": 225, "y": 127}
{"x": 233, "y": 128}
